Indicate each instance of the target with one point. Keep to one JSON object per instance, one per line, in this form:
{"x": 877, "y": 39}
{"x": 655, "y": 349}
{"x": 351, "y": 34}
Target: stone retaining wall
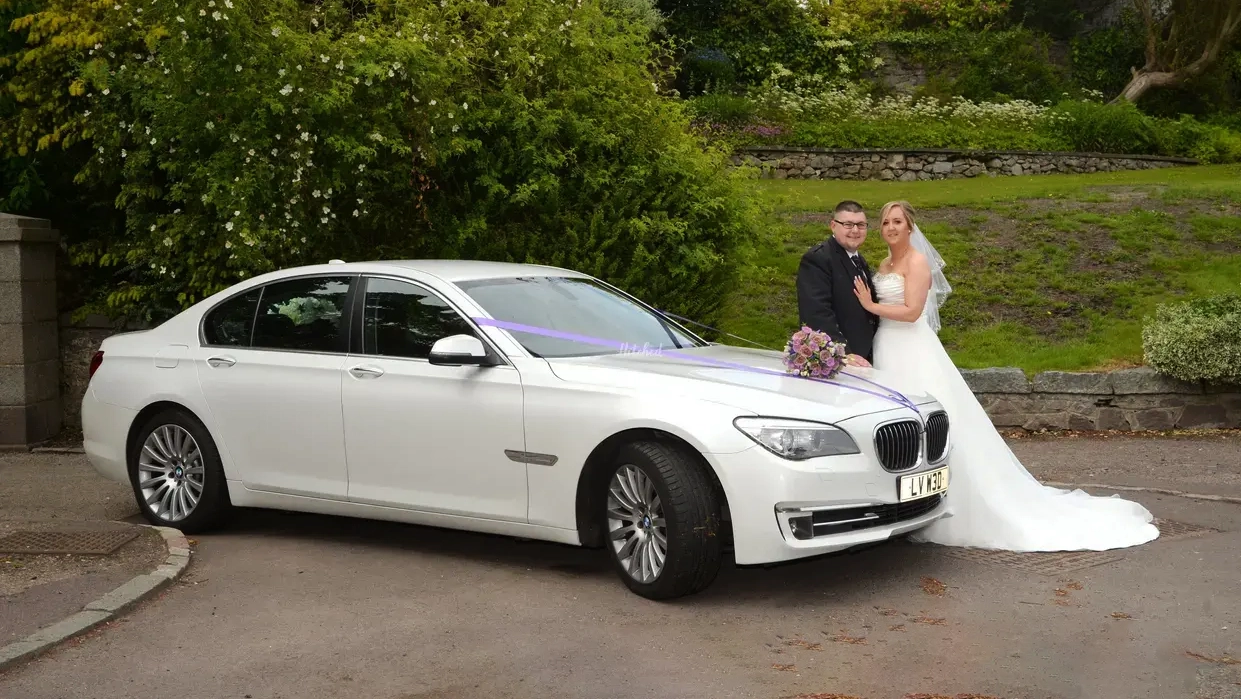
{"x": 909, "y": 165}
{"x": 1129, "y": 399}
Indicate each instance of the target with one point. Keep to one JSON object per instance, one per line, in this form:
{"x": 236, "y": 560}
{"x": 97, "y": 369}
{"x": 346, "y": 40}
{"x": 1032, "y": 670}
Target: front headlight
{"x": 797, "y": 439}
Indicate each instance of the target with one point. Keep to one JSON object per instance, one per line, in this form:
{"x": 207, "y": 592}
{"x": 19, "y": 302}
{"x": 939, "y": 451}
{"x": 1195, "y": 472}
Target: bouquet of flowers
{"x": 810, "y": 353}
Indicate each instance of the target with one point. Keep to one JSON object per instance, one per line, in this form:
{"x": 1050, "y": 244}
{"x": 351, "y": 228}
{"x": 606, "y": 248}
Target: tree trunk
{"x": 1143, "y": 81}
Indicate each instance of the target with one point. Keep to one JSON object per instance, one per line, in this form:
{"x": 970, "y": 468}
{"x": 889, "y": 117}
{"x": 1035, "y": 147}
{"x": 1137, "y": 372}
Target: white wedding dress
{"x": 994, "y": 501}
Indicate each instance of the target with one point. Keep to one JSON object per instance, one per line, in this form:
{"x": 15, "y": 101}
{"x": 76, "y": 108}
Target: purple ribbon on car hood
{"x": 888, "y": 393}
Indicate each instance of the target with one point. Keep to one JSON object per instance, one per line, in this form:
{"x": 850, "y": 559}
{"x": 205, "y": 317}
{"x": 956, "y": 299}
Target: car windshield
{"x": 579, "y": 306}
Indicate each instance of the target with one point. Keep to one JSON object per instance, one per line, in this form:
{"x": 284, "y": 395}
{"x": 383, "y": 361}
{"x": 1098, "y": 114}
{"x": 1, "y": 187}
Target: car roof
{"x": 462, "y": 270}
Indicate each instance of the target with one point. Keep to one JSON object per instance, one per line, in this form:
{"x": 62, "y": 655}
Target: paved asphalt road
{"x": 286, "y": 605}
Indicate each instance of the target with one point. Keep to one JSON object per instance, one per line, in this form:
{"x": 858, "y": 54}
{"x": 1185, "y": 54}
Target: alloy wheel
{"x": 636, "y": 524}
{"x": 171, "y": 473}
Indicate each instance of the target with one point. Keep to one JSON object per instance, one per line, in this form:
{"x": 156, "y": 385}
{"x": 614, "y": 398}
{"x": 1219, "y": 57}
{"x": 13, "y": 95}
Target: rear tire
{"x": 661, "y": 521}
{"x": 176, "y": 473}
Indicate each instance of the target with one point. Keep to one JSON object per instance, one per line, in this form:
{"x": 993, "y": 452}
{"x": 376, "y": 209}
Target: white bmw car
{"x": 519, "y": 400}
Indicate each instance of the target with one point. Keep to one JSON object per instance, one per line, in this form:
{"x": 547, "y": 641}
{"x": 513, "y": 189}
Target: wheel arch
{"x": 154, "y": 408}
{"x": 589, "y": 484}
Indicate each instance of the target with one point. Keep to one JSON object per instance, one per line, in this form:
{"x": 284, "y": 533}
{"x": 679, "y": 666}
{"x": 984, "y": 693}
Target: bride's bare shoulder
{"x": 918, "y": 263}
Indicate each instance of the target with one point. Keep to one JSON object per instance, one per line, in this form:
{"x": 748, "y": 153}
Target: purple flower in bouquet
{"x": 813, "y": 354}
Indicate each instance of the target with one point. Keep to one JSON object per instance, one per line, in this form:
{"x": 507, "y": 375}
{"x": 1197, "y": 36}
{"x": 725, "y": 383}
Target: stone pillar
{"x": 29, "y": 337}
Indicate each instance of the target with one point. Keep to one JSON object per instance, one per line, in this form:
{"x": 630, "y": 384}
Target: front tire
{"x": 661, "y": 520}
{"x": 176, "y": 473}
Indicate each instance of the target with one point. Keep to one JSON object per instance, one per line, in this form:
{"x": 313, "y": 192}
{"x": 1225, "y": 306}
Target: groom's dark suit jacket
{"x": 825, "y": 298}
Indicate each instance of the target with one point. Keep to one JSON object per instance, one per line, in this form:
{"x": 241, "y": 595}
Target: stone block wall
{"x": 910, "y": 165}
{"x": 1127, "y": 400}
{"x": 30, "y": 410}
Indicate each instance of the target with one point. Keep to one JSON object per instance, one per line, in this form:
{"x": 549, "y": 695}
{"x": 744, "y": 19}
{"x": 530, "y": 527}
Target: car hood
{"x": 759, "y": 384}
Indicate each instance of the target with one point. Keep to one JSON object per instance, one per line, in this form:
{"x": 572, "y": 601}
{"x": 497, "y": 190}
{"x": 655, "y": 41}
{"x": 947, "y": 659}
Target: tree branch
{"x": 1166, "y": 34}
{"x": 1152, "y": 31}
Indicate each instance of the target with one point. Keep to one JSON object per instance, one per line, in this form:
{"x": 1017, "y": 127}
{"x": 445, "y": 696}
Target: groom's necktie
{"x": 857, "y": 265}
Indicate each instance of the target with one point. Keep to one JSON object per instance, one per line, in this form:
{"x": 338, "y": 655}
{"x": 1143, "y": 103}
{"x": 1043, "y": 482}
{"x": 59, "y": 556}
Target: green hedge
{"x": 1197, "y": 340}
{"x": 255, "y": 136}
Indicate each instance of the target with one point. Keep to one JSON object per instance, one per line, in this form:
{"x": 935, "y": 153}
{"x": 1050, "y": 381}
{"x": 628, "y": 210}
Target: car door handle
{"x": 221, "y": 361}
{"x": 366, "y": 372}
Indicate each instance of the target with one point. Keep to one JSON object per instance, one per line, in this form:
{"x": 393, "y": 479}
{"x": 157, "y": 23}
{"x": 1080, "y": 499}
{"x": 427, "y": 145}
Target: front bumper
{"x": 782, "y": 510}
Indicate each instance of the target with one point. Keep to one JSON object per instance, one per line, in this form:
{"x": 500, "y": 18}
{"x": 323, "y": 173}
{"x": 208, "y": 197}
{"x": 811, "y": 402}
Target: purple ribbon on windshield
{"x": 888, "y": 393}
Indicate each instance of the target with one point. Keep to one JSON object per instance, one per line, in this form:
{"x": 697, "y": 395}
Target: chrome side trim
{"x": 529, "y": 457}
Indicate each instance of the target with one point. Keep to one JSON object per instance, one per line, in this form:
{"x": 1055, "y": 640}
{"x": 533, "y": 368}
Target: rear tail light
{"x": 95, "y": 361}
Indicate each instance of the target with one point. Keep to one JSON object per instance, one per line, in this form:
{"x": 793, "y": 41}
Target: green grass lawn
{"x": 1048, "y": 272}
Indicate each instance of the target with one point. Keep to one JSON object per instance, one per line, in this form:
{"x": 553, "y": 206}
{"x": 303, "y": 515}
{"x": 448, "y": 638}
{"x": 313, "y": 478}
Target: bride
{"x": 994, "y": 502}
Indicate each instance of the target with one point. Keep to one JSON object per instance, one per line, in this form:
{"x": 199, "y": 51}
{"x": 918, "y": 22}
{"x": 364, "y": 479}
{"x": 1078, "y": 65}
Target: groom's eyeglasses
{"x": 850, "y": 224}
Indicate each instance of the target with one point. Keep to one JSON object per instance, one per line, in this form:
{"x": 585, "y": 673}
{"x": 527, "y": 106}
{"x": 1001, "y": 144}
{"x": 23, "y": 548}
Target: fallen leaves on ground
{"x": 898, "y": 627}
{"x": 846, "y": 638}
{"x": 822, "y": 695}
{"x": 804, "y": 644}
{"x": 1222, "y": 660}
{"x": 887, "y": 611}
{"x": 1062, "y": 593}
{"x": 931, "y": 621}
{"x": 1120, "y": 615}
{"x": 949, "y": 696}
{"x": 784, "y": 668}
{"x": 1018, "y": 433}
{"x": 931, "y": 586}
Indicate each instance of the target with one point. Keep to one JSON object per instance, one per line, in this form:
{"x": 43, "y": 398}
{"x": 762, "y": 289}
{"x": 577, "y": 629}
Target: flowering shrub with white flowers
{"x": 789, "y": 96}
{"x": 811, "y": 110}
{"x": 240, "y": 136}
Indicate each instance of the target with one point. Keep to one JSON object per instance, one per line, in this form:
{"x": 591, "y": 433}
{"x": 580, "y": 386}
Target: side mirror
{"x": 459, "y": 350}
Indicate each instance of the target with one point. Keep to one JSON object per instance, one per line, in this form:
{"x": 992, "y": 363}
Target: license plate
{"x": 921, "y": 485}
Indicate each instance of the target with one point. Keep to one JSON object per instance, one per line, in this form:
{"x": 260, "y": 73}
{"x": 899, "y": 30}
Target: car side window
{"x": 401, "y": 319}
{"x": 232, "y": 323}
{"x": 303, "y": 314}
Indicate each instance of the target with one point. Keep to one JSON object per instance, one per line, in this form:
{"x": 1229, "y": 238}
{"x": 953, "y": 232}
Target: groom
{"x": 825, "y": 298}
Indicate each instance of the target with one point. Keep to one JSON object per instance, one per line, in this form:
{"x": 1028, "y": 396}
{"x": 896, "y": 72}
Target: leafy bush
{"x": 857, "y": 17}
{"x": 1102, "y": 60}
{"x": 792, "y": 110}
{"x": 1189, "y": 137}
{"x": 705, "y": 71}
{"x": 857, "y": 133}
{"x": 1198, "y": 340}
{"x": 722, "y": 108}
{"x": 756, "y": 35}
{"x": 1104, "y": 128}
{"x": 252, "y": 136}
{"x": 1123, "y": 128}
{"x": 997, "y": 67}
{"x": 1061, "y": 19}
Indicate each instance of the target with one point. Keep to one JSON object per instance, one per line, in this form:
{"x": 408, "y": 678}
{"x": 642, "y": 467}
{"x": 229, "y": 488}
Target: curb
{"x": 107, "y": 607}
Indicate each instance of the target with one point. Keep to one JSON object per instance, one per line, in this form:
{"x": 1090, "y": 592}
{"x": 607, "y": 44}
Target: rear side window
{"x": 231, "y": 323}
{"x": 303, "y": 314}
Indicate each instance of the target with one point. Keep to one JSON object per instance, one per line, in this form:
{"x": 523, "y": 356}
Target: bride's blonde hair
{"x": 905, "y": 206}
